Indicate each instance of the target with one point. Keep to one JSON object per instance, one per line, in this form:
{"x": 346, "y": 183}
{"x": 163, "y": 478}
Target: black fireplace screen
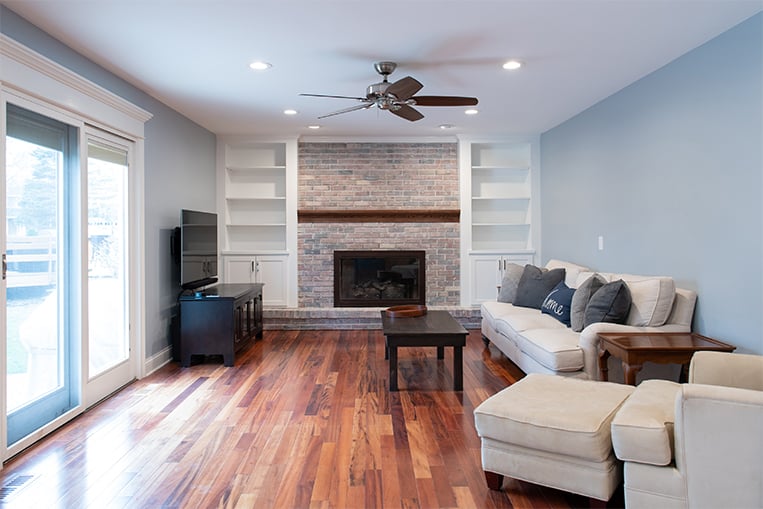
{"x": 379, "y": 278}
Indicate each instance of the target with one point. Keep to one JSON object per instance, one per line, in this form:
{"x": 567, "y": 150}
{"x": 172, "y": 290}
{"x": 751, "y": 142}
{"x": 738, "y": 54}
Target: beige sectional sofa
{"x": 539, "y": 343}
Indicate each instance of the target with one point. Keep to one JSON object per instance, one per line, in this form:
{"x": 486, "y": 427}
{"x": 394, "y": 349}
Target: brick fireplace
{"x": 377, "y": 196}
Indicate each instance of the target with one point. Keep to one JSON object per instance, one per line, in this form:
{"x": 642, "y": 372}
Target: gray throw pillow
{"x": 580, "y": 300}
{"x": 510, "y": 282}
{"x": 611, "y": 303}
{"x": 535, "y": 284}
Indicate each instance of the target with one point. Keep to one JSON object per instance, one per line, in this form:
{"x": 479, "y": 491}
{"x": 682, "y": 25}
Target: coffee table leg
{"x": 440, "y": 352}
{"x": 392, "y": 368}
{"x": 458, "y": 368}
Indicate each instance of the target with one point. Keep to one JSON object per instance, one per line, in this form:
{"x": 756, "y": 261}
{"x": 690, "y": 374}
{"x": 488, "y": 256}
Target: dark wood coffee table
{"x": 635, "y": 348}
{"x": 435, "y": 328}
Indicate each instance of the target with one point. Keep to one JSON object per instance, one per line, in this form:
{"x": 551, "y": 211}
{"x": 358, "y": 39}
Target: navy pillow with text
{"x": 559, "y": 302}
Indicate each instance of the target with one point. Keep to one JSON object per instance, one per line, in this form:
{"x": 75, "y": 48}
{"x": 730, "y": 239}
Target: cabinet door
{"x": 487, "y": 273}
{"x": 239, "y": 269}
{"x": 273, "y": 272}
{"x": 486, "y": 277}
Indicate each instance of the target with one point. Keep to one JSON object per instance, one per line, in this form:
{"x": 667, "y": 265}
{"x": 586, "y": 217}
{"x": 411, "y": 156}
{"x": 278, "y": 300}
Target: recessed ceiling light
{"x": 512, "y": 65}
{"x": 314, "y": 126}
{"x": 260, "y": 66}
{"x": 289, "y": 112}
{"x": 471, "y": 111}
{"x": 446, "y": 126}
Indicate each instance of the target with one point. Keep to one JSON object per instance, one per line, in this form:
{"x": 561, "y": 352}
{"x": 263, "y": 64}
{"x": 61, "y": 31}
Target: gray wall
{"x": 670, "y": 172}
{"x": 179, "y": 170}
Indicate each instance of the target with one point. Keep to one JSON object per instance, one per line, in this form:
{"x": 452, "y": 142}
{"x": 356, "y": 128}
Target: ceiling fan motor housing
{"x": 377, "y": 90}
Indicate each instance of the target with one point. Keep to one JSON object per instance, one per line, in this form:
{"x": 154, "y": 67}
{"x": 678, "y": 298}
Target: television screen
{"x": 198, "y": 248}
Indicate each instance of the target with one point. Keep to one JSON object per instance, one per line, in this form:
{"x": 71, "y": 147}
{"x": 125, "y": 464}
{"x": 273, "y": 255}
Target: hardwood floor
{"x": 304, "y": 420}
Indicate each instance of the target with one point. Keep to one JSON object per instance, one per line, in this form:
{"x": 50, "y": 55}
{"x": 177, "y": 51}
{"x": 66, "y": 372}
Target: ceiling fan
{"x": 397, "y": 97}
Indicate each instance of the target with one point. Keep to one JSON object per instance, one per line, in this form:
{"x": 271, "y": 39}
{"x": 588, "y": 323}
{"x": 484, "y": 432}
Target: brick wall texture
{"x": 347, "y": 176}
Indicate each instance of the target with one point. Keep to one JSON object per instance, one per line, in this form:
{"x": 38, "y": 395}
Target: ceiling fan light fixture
{"x": 512, "y": 65}
{"x": 259, "y": 65}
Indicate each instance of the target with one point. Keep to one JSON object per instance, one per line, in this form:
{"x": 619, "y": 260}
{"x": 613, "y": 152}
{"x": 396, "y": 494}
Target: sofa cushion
{"x": 580, "y": 299}
{"x": 554, "y": 349}
{"x": 553, "y": 413}
{"x": 535, "y": 284}
{"x": 611, "y": 304}
{"x": 510, "y": 282}
{"x": 571, "y": 271}
{"x": 492, "y": 310}
{"x": 651, "y": 300}
{"x": 521, "y": 322}
{"x": 642, "y": 430}
{"x": 557, "y": 303}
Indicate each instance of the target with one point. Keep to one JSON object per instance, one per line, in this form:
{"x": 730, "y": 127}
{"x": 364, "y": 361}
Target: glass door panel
{"x": 38, "y": 355}
{"x": 108, "y": 334}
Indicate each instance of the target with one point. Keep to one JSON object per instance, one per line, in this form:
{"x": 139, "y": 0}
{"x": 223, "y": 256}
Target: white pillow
{"x": 584, "y": 275}
{"x": 571, "y": 271}
{"x": 652, "y": 300}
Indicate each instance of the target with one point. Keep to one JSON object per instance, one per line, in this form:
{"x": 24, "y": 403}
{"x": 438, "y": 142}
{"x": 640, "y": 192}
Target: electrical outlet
{"x": 601, "y": 242}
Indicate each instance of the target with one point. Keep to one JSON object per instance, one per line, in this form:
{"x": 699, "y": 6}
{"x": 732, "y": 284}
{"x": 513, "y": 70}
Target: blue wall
{"x": 670, "y": 172}
{"x": 179, "y": 170}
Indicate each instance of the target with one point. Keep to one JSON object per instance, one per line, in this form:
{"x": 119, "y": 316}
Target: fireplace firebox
{"x": 379, "y": 278}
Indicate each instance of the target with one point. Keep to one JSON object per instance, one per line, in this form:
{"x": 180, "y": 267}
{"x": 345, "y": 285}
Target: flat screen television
{"x": 198, "y": 249}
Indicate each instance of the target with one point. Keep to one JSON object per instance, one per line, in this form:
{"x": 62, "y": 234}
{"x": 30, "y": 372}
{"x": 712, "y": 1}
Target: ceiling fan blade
{"x": 335, "y": 96}
{"x": 444, "y": 100}
{"x": 347, "y": 110}
{"x": 404, "y": 88}
{"x": 407, "y": 113}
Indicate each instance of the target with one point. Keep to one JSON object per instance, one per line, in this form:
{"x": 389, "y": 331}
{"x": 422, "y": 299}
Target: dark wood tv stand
{"x": 220, "y": 320}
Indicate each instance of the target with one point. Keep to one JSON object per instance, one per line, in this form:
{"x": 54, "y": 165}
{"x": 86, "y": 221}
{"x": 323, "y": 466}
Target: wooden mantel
{"x": 379, "y": 216}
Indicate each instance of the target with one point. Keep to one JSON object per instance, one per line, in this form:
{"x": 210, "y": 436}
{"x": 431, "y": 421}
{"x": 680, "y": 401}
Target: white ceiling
{"x": 193, "y": 55}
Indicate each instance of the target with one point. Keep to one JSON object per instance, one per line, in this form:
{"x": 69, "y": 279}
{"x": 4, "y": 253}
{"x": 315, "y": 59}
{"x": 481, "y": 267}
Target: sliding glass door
{"x": 66, "y": 281}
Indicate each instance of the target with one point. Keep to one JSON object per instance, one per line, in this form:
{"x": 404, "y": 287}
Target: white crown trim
{"x": 31, "y": 59}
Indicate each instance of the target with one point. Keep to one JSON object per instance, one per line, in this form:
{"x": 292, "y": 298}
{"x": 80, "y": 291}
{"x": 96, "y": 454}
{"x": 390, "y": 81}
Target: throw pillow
{"x": 611, "y": 303}
{"x": 558, "y": 302}
{"x": 510, "y": 282}
{"x": 535, "y": 284}
{"x": 580, "y": 300}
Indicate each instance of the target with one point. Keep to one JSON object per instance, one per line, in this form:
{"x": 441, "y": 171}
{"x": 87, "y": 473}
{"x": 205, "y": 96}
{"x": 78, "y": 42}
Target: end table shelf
{"x": 635, "y": 348}
{"x": 220, "y": 321}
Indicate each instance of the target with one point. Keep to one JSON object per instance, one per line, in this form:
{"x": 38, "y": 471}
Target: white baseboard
{"x": 157, "y": 360}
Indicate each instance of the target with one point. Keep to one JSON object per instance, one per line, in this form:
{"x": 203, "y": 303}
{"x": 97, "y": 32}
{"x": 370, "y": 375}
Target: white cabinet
{"x": 499, "y": 210}
{"x": 487, "y": 273}
{"x": 257, "y": 194}
{"x": 271, "y": 270}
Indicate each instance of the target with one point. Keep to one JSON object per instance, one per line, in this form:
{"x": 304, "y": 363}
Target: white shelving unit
{"x": 257, "y": 188}
{"x": 499, "y": 179}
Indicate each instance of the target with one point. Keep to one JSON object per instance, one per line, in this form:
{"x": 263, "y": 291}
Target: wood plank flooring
{"x": 303, "y": 420}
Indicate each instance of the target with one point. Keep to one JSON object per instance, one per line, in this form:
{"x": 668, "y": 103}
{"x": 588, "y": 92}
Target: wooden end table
{"x": 435, "y": 328}
{"x": 636, "y": 348}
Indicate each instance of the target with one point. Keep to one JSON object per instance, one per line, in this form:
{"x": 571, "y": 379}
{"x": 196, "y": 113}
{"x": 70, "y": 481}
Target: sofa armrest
{"x": 718, "y": 445}
{"x": 589, "y": 341}
{"x": 642, "y": 430}
{"x": 727, "y": 369}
